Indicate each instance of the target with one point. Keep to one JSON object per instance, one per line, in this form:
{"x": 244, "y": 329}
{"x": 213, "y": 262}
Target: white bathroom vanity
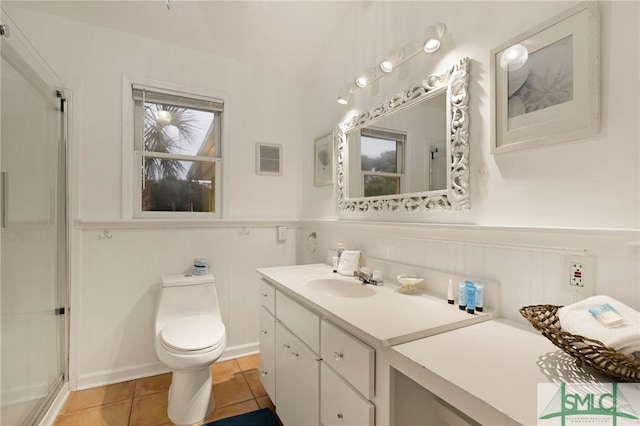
{"x": 336, "y": 352}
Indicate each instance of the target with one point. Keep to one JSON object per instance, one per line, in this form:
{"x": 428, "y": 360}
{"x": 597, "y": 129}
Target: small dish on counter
{"x": 408, "y": 284}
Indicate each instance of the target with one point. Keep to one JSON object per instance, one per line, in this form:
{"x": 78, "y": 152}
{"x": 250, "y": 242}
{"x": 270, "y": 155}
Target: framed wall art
{"x": 323, "y": 160}
{"x": 545, "y": 82}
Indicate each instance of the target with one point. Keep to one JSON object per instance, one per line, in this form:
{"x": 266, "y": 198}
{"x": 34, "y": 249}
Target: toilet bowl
{"x": 189, "y": 337}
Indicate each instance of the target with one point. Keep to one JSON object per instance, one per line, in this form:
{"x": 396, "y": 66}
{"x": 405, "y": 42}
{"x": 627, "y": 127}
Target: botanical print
{"x": 323, "y": 165}
{"x": 545, "y": 80}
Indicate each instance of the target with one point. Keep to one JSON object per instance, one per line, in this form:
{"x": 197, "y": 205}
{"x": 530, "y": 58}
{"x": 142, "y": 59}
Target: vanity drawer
{"x": 267, "y": 352}
{"x": 302, "y": 322}
{"x": 268, "y": 296}
{"x": 340, "y": 404}
{"x": 352, "y": 359}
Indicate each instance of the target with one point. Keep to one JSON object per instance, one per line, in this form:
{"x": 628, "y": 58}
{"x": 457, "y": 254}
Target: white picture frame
{"x": 323, "y": 161}
{"x": 554, "y": 96}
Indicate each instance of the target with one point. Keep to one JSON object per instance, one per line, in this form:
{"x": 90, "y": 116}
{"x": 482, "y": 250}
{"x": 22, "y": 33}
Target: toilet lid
{"x": 193, "y": 333}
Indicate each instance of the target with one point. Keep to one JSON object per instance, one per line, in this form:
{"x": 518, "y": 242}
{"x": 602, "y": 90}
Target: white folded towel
{"x": 625, "y": 338}
{"x": 349, "y": 262}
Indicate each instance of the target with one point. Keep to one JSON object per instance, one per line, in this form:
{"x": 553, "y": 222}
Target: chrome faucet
{"x": 367, "y": 278}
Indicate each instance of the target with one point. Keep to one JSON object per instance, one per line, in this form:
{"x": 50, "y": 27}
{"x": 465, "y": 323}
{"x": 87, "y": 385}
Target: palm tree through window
{"x": 178, "y": 150}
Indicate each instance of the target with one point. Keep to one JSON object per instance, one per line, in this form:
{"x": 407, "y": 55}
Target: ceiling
{"x": 270, "y": 33}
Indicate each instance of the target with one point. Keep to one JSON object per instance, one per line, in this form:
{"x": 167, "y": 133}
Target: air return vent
{"x": 268, "y": 159}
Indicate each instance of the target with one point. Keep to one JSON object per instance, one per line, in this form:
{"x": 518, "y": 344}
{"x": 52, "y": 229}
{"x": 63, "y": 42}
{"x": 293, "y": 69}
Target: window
{"x": 382, "y": 161}
{"x": 177, "y": 139}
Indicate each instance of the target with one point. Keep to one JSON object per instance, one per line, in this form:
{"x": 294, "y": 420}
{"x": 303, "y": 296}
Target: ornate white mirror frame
{"x": 456, "y": 194}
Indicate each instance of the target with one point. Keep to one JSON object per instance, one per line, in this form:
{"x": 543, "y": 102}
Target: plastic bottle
{"x": 479, "y": 297}
{"x": 339, "y": 254}
{"x": 471, "y": 297}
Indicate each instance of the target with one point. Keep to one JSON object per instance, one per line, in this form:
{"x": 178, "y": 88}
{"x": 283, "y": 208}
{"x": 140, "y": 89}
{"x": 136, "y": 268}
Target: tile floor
{"x": 143, "y": 402}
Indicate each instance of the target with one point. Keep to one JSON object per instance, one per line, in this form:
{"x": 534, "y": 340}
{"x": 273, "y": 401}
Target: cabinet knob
{"x": 294, "y": 355}
{"x": 338, "y": 356}
{"x": 340, "y": 416}
{"x": 265, "y": 295}
{"x": 264, "y": 373}
{"x": 286, "y": 347}
{"x": 264, "y": 332}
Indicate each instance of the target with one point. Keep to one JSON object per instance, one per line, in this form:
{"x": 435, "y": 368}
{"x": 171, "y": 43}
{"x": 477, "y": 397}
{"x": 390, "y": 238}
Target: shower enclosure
{"x": 33, "y": 242}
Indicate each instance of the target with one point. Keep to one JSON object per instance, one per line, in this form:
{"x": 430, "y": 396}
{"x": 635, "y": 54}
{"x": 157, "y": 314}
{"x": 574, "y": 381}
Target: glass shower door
{"x": 33, "y": 236}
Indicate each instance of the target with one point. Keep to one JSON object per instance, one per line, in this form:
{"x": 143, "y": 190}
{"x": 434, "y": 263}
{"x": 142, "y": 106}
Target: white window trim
{"x": 131, "y": 172}
{"x": 401, "y": 146}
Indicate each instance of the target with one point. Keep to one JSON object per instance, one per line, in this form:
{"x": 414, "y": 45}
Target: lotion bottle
{"x": 462, "y": 298}
{"x": 471, "y": 297}
{"x": 479, "y": 297}
{"x": 450, "y": 299}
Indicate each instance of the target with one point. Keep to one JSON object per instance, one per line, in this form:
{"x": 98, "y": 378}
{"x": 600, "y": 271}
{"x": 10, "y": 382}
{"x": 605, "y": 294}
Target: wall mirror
{"x": 410, "y": 153}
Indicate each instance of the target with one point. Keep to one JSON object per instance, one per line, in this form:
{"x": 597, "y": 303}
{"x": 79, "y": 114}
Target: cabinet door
{"x": 341, "y": 404}
{"x": 267, "y": 352}
{"x": 297, "y": 381}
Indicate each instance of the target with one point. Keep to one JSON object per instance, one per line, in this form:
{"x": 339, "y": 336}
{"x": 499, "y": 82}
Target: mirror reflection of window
{"x": 382, "y": 159}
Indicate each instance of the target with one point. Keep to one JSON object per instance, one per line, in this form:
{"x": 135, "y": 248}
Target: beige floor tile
{"x": 152, "y": 384}
{"x": 114, "y": 414}
{"x": 143, "y": 402}
{"x": 265, "y": 402}
{"x": 249, "y": 362}
{"x": 149, "y": 410}
{"x": 100, "y": 395}
{"x": 232, "y": 391}
{"x": 253, "y": 379}
{"x": 232, "y": 410}
{"x": 223, "y": 371}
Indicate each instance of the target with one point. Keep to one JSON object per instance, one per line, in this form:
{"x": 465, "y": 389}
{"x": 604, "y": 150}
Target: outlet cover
{"x": 578, "y": 275}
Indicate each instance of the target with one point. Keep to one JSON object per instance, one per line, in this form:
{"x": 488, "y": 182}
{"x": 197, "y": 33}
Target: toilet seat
{"x": 194, "y": 334}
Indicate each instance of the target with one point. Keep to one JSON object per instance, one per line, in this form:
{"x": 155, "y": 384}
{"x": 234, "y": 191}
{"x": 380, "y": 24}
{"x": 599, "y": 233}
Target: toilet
{"x": 189, "y": 337}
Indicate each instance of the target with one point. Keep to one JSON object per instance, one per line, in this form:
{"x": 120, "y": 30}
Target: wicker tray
{"x": 590, "y": 352}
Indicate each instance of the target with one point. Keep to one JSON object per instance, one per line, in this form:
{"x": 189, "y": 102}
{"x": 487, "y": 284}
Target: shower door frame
{"x": 30, "y": 65}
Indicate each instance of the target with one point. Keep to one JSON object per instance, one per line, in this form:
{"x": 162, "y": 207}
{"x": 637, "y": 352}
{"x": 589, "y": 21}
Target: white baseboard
{"x": 123, "y": 374}
{"x": 53, "y": 411}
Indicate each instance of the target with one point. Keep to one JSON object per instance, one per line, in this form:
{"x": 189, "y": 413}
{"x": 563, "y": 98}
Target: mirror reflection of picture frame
{"x": 545, "y": 82}
{"x": 323, "y": 160}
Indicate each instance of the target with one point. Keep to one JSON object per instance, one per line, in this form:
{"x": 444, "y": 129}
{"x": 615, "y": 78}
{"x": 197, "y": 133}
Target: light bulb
{"x": 431, "y": 45}
{"x": 514, "y": 57}
{"x": 163, "y": 117}
{"x": 361, "y": 81}
{"x": 386, "y": 66}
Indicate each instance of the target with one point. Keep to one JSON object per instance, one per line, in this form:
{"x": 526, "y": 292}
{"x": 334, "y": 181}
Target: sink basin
{"x": 336, "y": 287}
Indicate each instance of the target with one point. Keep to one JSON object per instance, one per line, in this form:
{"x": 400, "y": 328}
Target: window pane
{"x": 177, "y": 130}
{"x": 179, "y": 186}
{"x": 379, "y": 155}
{"x": 381, "y": 185}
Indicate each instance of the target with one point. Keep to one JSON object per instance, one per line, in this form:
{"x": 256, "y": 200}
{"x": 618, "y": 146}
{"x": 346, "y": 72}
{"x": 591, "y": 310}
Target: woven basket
{"x": 590, "y": 352}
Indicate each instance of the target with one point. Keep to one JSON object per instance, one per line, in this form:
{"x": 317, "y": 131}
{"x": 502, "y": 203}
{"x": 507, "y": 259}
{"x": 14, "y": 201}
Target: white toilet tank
{"x": 188, "y": 295}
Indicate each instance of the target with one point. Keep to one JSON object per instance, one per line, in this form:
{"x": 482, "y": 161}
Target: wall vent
{"x": 268, "y": 159}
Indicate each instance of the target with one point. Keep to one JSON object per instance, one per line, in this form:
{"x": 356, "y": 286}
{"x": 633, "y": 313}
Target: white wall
{"x": 525, "y": 206}
{"x": 260, "y": 107}
{"x": 592, "y": 182}
{"x": 114, "y": 280}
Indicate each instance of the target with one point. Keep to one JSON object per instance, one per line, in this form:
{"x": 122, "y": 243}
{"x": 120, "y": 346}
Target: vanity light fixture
{"x": 434, "y": 35}
{"x": 345, "y": 93}
{"x": 363, "y": 80}
{"x": 396, "y": 58}
{"x": 392, "y": 61}
{"x": 514, "y": 57}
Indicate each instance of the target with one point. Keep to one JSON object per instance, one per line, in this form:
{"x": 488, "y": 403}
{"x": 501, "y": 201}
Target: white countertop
{"x": 387, "y": 316}
{"x": 496, "y": 361}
